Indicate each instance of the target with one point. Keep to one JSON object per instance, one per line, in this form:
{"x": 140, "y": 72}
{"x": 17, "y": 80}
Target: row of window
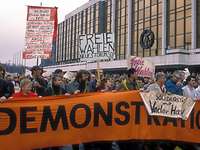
{"x": 146, "y": 14}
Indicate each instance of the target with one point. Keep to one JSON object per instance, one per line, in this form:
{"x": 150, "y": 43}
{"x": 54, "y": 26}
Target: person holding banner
{"x": 55, "y": 87}
{"x": 81, "y": 85}
{"x": 130, "y": 83}
{"x": 189, "y": 90}
{"x": 4, "y": 92}
{"x": 26, "y": 87}
{"x": 173, "y": 85}
{"x": 39, "y": 83}
{"x": 159, "y": 85}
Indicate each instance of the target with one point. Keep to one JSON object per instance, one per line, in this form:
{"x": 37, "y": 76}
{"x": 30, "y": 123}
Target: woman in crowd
{"x": 25, "y": 89}
{"x": 55, "y": 86}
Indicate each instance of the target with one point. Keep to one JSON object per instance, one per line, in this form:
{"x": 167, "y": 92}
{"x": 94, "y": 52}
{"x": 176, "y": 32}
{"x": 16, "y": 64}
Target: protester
{"x": 189, "y": 90}
{"x": 55, "y": 86}
{"x": 93, "y": 83}
{"x": 81, "y": 83}
{"x": 173, "y": 85}
{"x": 26, "y": 89}
{"x": 10, "y": 85}
{"x": 58, "y": 72}
{"x": 64, "y": 83}
{"x": 159, "y": 85}
{"x": 39, "y": 83}
{"x": 130, "y": 83}
{"x": 4, "y": 92}
{"x": 146, "y": 82}
{"x": 198, "y": 87}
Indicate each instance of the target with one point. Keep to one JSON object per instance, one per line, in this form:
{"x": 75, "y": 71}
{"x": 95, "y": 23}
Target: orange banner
{"x": 27, "y": 124}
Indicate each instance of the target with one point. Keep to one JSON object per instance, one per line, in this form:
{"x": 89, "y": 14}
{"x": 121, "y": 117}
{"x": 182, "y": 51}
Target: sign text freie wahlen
{"x": 96, "y": 47}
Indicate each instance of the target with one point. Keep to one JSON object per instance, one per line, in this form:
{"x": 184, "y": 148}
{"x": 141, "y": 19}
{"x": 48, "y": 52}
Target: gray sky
{"x": 13, "y": 23}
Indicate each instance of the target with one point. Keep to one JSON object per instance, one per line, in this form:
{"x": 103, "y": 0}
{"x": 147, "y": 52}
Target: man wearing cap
{"x": 39, "y": 83}
{"x": 173, "y": 85}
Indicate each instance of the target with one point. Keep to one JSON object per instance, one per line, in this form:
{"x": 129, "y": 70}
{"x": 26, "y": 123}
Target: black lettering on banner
{"x": 47, "y": 116}
{"x": 24, "y": 119}
{"x": 151, "y": 119}
{"x": 198, "y": 119}
{"x": 137, "y": 111}
{"x": 73, "y": 116}
{"x": 12, "y": 121}
{"x": 192, "y": 119}
{"x": 98, "y": 111}
{"x": 170, "y": 120}
{"x": 123, "y": 113}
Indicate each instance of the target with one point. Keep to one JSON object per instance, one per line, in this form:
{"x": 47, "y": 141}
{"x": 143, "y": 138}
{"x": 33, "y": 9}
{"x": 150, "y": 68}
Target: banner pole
{"x": 37, "y": 61}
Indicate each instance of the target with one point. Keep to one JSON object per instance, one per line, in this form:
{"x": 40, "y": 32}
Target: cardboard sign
{"x": 41, "y": 30}
{"x": 96, "y": 47}
{"x": 143, "y": 67}
{"x": 173, "y": 106}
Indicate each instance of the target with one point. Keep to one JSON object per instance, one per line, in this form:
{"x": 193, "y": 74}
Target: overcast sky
{"x": 13, "y": 22}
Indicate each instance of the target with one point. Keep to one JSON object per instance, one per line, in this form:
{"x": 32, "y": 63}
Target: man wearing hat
{"x": 39, "y": 83}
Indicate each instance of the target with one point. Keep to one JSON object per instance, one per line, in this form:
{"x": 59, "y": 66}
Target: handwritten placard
{"x": 143, "y": 67}
{"x": 174, "y": 106}
{"x": 96, "y": 47}
{"x": 40, "y": 31}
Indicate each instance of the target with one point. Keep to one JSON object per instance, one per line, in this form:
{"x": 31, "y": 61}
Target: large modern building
{"x": 174, "y": 23}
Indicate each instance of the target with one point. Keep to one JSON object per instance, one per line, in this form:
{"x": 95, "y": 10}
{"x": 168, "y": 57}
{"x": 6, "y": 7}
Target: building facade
{"x": 173, "y": 22}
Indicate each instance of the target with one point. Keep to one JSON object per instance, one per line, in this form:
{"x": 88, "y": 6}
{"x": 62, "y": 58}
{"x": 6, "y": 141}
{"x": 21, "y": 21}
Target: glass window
{"x": 188, "y": 2}
{"x": 172, "y": 28}
{"x": 172, "y": 42}
{"x": 180, "y": 41}
{"x": 180, "y": 26}
{"x": 172, "y": 4}
{"x": 147, "y": 12}
{"x": 147, "y": 3}
{"x": 141, "y": 4}
{"x": 179, "y": 3}
{"x": 188, "y": 24}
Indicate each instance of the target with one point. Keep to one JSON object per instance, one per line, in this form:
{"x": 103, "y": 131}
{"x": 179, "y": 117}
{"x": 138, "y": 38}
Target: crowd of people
{"x": 70, "y": 83}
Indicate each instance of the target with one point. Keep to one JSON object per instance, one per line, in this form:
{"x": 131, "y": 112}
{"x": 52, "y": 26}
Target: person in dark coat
{"x": 39, "y": 83}
{"x": 10, "y": 85}
{"x": 4, "y": 93}
{"x": 55, "y": 87}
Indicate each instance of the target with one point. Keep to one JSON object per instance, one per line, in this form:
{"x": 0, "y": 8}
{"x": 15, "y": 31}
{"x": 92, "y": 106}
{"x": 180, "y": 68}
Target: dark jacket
{"x": 75, "y": 85}
{"x": 41, "y": 91}
{"x": 55, "y": 90}
{"x": 10, "y": 88}
{"x": 3, "y": 89}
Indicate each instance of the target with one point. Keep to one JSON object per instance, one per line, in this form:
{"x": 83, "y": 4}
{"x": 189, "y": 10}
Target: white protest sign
{"x": 94, "y": 47}
{"x": 143, "y": 67}
{"x": 173, "y": 106}
{"x": 41, "y": 29}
